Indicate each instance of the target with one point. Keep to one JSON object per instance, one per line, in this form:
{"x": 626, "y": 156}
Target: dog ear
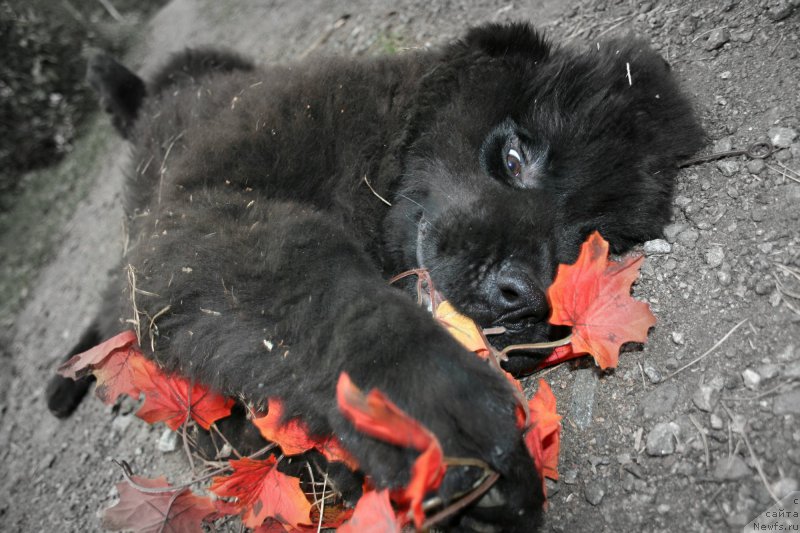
{"x": 503, "y": 40}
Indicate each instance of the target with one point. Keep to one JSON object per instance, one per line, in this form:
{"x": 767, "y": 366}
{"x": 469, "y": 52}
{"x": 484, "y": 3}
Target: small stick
{"x": 784, "y": 172}
{"x": 233, "y": 449}
{"x": 705, "y": 441}
{"x": 322, "y": 505}
{"x": 463, "y": 502}
{"x": 716, "y": 345}
{"x": 127, "y": 473}
{"x": 763, "y": 394}
{"x": 111, "y": 10}
{"x": 537, "y": 345}
{"x": 756, "y": 462}
{"x": 382, "y": 199}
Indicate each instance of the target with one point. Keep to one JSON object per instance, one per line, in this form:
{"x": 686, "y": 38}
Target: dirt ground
{"x": 663, "y": 443}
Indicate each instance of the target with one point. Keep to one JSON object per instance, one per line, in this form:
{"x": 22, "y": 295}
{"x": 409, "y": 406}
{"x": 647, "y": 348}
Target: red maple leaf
{"x": 172, "y": 399}
{"x": 543, "y": 438}
{"x": 377, "y": 416}
{"x": 263, "y": 492}
{"x": 115, "y": 363}
{"x": 175, "y": 511}
{"x": 293, "y": 436}
{"x": 593, "y": 296}
{"x": 373, "y": 514}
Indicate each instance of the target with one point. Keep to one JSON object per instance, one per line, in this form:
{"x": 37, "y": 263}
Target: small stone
{"x": 756, "y": 166}
{"x": 551, "y": 487}
{"x": 731, "y": 468}
{"x": 677, "y": 338}
{"x": 714, "y": 256}
{"x": 659, "y": 401}
{"x": 792, "y": 370}
{"x": 594, "y": 492}
{"x": 661, "y": 439}
{"x": 570, "y": 477}
{"x": 121, "y": 423}
{"x": 657, "y": 247}
{"x": 687, "y": 26}
{"x": 688, "y": 238}
{"x": 652, "y": 373}
{"x": 706, "y": 397}
{"x": 742, "y": 36}
{"x": 716, "y": 421}
{"x": 787, "y": 403}
{"x": 726, "y": 75}
{"x": 723, "y": 145}
{"x": 782, "y": 137}
{"x": 787, "y": 354}
{"x": 624, "y": 458}
{"x": 724, "y": 278}
{"x": 768, "y": 371}
{"x": 784, "y": 156}
{"x": 728, "y": 167}
{"x": 47, "y": 461}
{"x": 168, "y": 441}
{"x": 751, "y": 379}
{"x": 672, "y": 231}
{"x": 764, "y": 287}
{"x": 663, "y": 508}
{"x": 732, "y": 192}
{"x": 717, "y": 38}
{"x": 784, "y": 487}
{"x": 758, "y": 215}
{"x": 780, "y": 11}
{"x": 682, "y": 201}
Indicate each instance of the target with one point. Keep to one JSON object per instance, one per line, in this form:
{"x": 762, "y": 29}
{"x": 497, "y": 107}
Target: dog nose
{"x": 514, "y": 295}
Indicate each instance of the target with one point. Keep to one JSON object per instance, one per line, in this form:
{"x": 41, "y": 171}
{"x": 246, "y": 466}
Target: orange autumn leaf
{"x": 263, "y": 492}
{"x": 462, "y": 328}
{"x": 543, "y": 438}
{"x": 293, "y": 436}
{"x": 115, "y": 363}
{"x": 593, "y": 296}
{"x": 175, "y": 511}
{"x": 373, "y": 514}
{"x": 173, "y": 399}
{"x": 377, "y": 416}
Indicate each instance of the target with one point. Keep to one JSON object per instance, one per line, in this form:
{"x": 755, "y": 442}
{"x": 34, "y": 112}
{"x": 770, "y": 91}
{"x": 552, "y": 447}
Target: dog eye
{"x": 514, "y": 162}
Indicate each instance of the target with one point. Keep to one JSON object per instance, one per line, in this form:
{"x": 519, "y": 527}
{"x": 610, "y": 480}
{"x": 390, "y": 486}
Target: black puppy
{"x": 262, "y": 252}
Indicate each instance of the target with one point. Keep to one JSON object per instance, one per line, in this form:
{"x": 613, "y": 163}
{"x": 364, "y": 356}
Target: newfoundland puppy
{"x": 267, "y": 207}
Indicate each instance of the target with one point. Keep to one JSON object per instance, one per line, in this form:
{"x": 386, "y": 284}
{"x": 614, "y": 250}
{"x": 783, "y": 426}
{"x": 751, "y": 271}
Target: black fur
{"x": 252, "y": 225}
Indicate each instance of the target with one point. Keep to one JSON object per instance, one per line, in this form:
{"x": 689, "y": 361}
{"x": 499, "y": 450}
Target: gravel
{"x": 731, "y": 468}
{"x": 751, "y": 379}
{"x": 787, "y": 403}
{"x": 714, "y": 256}
{"x": 782, "y": 137}
{"x": 594, "y": 492}
{"x": 657, "y": 247}
{"x": 661, "y": 439}
{"x": 659, "y": 401}
{"x": 717, "y": 38}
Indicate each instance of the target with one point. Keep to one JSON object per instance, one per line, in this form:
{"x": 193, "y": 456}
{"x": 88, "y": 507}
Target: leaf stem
{"x": 537, "y": 345}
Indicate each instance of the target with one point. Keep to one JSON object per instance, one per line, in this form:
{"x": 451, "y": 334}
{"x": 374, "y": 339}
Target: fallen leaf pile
{"x": 592, "y": 296}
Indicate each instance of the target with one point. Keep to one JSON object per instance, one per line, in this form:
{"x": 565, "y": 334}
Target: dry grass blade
{"x": 743, "y": 432}
{"x": 707, "y": 352}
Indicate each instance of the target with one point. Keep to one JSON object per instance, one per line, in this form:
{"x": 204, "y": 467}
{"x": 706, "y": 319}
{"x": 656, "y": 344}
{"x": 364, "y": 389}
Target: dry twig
{"x": 716, "y": 345}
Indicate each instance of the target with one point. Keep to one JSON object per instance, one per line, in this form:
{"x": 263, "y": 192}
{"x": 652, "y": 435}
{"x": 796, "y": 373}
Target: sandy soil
{"x": 652, "y": 446}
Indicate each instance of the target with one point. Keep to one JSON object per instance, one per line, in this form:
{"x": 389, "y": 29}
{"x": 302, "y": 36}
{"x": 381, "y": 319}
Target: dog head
{"x": 517, "y": 150}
